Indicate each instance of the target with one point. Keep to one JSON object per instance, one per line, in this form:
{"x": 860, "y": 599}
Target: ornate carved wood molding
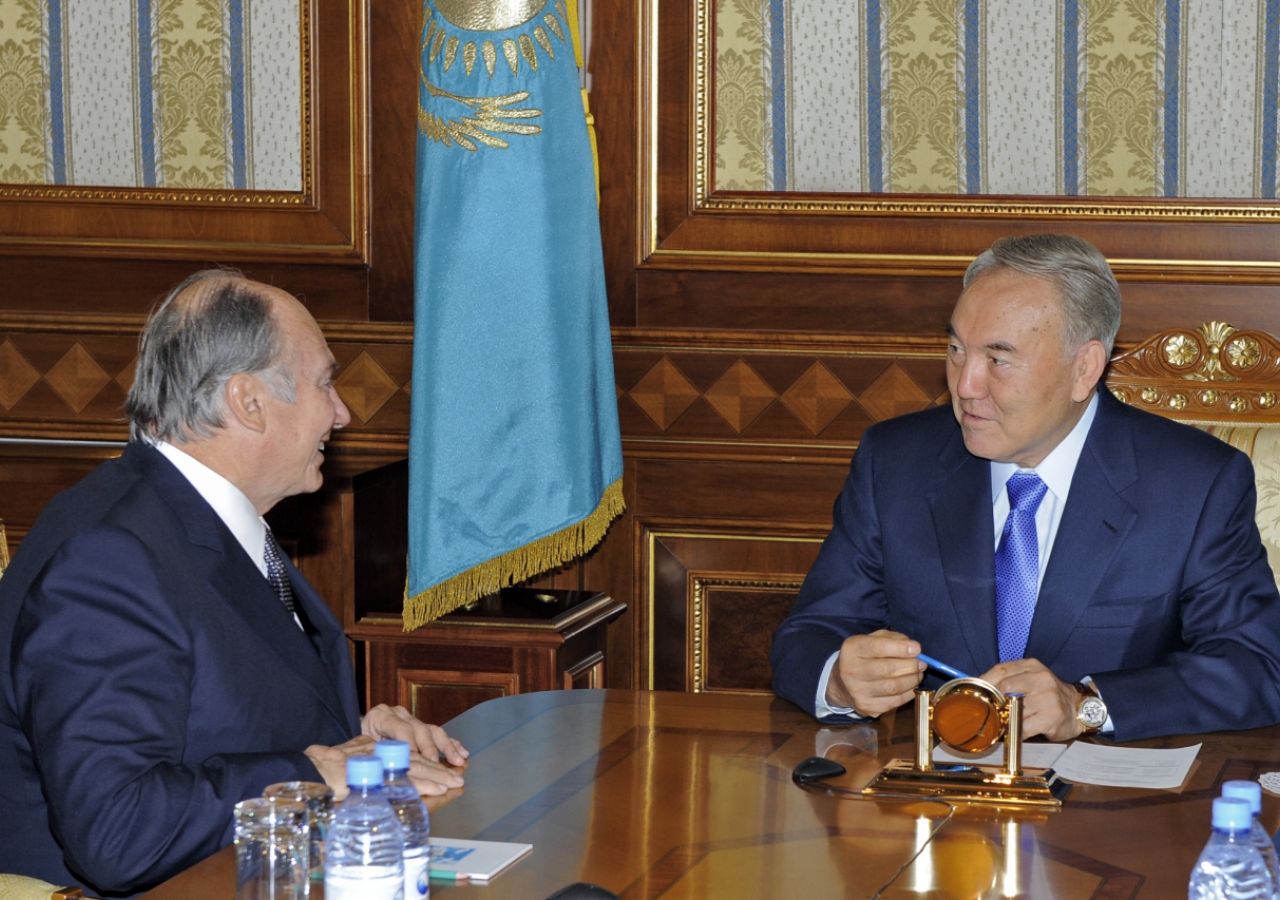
{"x": 1213, "y": 372}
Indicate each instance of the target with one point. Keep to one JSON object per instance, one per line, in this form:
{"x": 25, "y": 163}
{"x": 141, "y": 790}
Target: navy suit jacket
{"x": 149, "y": 680}
{"x": 1157, "y": 584}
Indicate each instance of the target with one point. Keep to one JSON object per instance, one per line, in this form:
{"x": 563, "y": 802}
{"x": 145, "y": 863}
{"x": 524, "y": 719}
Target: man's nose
{"x": 341, "y": 415}
{"x": 971, "y": 381}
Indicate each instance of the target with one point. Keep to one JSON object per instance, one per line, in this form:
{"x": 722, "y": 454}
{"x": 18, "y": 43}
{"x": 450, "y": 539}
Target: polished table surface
{"x": 674, "y": 795}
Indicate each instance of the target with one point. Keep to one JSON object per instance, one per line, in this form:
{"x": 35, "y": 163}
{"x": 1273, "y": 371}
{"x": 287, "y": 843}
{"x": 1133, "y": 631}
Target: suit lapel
{"x": 1093, "y": 529}
{"x": 962, "y": 519}
{"x": 238, "y": 584}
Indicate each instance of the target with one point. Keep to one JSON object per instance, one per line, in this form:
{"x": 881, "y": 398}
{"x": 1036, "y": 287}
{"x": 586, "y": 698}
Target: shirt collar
{"x": 228, "y": 501}
{"x": 1057, "y": 469}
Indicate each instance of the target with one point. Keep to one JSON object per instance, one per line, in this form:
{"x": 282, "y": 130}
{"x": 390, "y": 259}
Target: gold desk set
{"x": 970, "y": 715}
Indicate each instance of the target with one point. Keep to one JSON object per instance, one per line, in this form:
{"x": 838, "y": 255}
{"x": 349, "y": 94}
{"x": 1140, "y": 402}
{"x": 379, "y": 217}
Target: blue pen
{"x": 942, "y": 667}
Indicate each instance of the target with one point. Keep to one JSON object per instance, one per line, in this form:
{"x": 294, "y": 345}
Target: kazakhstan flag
{"x": 515, "y": 460}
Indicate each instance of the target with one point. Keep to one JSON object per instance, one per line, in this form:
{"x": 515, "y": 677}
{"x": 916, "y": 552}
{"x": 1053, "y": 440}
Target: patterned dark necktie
{"x": 276, "y": 573}
{"x": 1018, "y": 565}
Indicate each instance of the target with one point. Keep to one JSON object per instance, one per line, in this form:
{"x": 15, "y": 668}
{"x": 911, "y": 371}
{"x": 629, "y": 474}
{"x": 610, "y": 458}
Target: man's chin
{"x": 980, "y": 445}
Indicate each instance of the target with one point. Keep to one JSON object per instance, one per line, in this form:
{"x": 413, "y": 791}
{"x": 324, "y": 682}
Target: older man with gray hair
{"x": 1098, "y": 559}
{"x": 160, "y": 658}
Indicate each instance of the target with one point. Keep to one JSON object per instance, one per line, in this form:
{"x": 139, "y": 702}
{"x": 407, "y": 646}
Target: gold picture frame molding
{"x": 691, "y": 245}
{"x": 326, "y": 221}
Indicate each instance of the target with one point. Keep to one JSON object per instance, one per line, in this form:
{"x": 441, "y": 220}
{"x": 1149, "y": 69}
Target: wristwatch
{"x": 1091, "y": 712}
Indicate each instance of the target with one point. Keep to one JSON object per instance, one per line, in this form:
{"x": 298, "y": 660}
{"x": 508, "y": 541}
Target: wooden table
{"x": 676, "y": 795}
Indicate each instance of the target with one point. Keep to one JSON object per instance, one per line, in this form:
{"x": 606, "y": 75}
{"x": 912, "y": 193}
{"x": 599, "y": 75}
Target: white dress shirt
{"x": 235, "y": 510}
{"x": 1056, "y": 470}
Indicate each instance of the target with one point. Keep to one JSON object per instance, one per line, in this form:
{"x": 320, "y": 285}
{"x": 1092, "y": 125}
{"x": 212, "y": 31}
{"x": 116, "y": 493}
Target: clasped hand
{"x": 880, "y": 671}
{"x": 428, "y": 746}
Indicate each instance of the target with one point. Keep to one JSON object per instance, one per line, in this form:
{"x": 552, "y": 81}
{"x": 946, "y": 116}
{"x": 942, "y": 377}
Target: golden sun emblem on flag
{"x": 492, "y": 15}
{"x": 446, "y": 123}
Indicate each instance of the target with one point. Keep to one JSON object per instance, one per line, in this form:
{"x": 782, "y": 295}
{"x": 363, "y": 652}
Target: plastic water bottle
{"x": 1230, "y": 867}
{"x": 407, "y": 802}
{"x": 364, "y": 855}
{"x": 1252, "y": 792}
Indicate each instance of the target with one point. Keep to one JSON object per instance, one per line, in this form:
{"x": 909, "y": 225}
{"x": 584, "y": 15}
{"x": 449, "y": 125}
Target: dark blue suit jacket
{"x": 149, "y": 680}
{"x": 1157, "y": 584}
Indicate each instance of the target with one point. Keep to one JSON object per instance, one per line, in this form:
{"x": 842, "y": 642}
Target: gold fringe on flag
{"x": 514, "y": 566}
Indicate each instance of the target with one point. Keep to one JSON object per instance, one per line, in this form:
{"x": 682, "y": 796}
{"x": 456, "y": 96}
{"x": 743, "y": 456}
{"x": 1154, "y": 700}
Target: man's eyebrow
{"x": 1002, "y": 346}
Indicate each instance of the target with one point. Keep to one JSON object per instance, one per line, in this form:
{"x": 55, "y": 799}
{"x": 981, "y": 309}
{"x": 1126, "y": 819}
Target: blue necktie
{"x": 1018, "y": 565}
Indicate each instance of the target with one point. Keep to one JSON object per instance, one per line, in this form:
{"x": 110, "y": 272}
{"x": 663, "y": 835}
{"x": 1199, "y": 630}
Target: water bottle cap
{"x": 364, "y": 771}
{"x": 1245, "y": 790}
{"x": 1232, "y": 814}
{"x": 395, "y": 754}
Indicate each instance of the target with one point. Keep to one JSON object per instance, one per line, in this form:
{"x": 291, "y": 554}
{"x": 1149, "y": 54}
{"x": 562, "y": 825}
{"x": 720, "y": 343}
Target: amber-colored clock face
{"x": 969, "y": 717}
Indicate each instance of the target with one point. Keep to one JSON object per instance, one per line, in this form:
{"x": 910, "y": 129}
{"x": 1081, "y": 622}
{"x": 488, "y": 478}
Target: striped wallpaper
{"x": 1171, "y": 98}
{"x": 195, "y": 94}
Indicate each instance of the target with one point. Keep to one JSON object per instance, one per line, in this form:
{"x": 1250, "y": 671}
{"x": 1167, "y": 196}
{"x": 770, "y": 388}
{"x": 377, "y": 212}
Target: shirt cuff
{"x": 1108, "y": 727}
{"x": 820, "y": 707}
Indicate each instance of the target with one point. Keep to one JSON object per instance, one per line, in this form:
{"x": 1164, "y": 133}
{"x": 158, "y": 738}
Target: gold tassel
{"x": 514, "y": 566}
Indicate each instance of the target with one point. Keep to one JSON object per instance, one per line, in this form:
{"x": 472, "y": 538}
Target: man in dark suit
{"x": 160, "y": 659}
{"x": 1040, "y": 534}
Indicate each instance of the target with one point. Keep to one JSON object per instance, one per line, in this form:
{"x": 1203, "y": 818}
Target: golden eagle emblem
{"x": 488, "y": 116}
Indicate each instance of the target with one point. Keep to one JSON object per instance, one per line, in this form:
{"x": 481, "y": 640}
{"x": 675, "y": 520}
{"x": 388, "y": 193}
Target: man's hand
{"x": 875, "y": 673}
{"x": 1048, "y": 705}
{"x": 427, "y": 744}
{"x": 331, "y": 762}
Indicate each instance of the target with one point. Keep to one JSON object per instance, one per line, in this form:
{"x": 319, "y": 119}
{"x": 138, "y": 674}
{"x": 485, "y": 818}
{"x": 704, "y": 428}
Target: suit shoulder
{"x": 1157, "y": 436}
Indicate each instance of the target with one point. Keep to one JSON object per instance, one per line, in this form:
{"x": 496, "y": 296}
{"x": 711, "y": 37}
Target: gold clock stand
{"x": 970, "y": 715}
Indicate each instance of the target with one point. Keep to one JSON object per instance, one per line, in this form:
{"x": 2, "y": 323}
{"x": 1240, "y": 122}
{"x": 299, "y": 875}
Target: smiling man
{"x": 160, "y": 658}
{"x": 1041, "y": 535}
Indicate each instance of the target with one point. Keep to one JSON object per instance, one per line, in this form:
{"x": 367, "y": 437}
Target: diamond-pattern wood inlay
{"x": 17, "y": 376}
{"x": 365, "y": 386}
{"x": 740, "y": 395}
{"x": 77, "y": 378}
{"x": 663, "y": 393}
{"x": 894, "y": 393}
{"x": 816, "y": 397}
{"x": 125, "y": 377}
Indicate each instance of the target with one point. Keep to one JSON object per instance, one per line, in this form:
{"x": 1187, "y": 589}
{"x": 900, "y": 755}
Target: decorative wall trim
{"x": 654, "y": 533}
{"x": 699, "y": 614}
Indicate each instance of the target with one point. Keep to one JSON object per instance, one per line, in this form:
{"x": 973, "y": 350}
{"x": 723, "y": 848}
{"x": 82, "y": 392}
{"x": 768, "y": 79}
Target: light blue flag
{"x": 515, "y": 460}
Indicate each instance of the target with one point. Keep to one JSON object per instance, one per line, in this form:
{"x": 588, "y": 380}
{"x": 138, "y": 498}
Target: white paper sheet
{"x": 1125, "y": 766}
{"x": 1034, "y": 756}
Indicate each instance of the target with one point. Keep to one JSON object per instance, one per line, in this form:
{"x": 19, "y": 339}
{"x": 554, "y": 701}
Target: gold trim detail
{"x": 698, "y": 616}
{"x": 516, "y": 565}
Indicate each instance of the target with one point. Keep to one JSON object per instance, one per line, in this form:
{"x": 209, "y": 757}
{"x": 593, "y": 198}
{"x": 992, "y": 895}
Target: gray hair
{"x": 214, "y": 325}
{"x": 1086, "y": 285}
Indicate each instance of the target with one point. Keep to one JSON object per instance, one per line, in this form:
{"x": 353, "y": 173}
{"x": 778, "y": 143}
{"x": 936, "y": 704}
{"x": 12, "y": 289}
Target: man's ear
{"x": 246, "y": 401}
{"x": 1089, "y": 364}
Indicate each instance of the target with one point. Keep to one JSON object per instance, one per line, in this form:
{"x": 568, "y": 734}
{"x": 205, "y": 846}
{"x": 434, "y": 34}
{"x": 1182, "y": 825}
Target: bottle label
{"x": 378, "y": 886}
{"x": 417, "y": 884}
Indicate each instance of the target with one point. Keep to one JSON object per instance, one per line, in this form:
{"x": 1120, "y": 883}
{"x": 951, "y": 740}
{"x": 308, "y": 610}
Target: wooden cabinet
{"x": 513, "y": 642}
